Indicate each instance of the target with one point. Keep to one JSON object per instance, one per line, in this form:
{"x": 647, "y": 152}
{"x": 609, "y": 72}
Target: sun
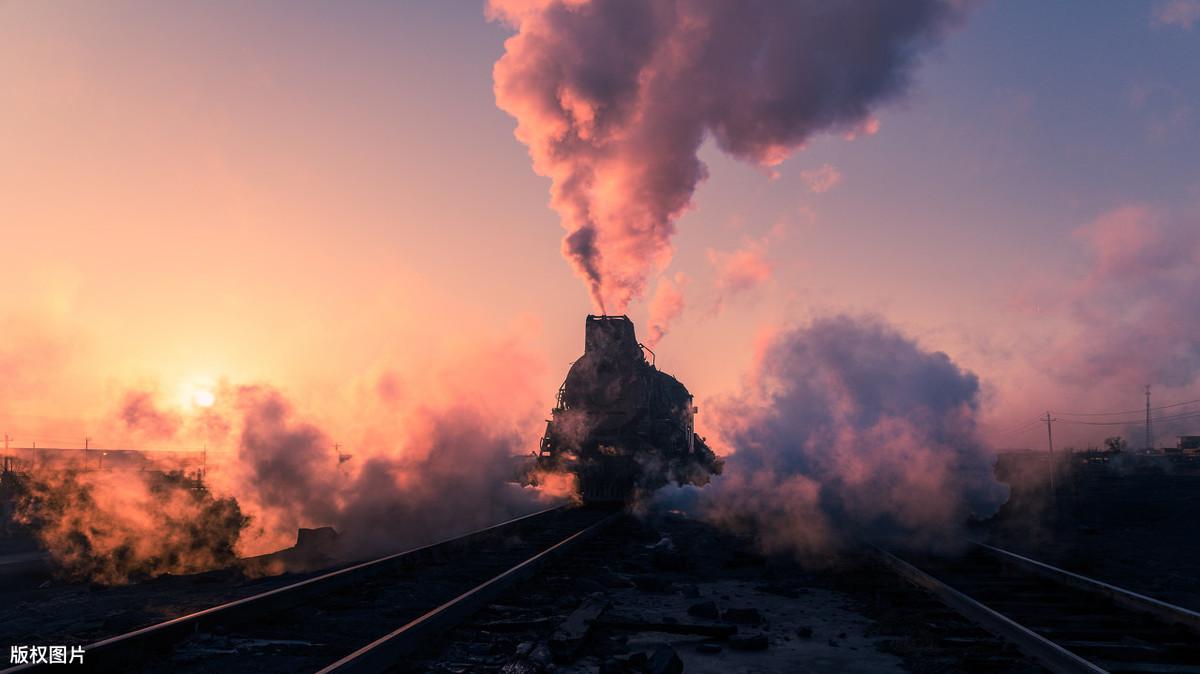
{"x": 203, "y": 398}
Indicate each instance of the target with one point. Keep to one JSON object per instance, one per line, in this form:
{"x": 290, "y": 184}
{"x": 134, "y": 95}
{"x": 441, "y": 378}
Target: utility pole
{"x": 1149, "y": 439}
{"x": 1050, "y": 444}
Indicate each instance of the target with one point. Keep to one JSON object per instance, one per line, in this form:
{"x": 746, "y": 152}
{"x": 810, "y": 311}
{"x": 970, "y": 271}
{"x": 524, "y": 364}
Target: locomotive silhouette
{"x": 623, "y": 427}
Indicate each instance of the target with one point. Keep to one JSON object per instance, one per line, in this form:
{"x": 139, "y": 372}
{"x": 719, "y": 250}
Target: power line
{"x": 1027, "y": 425}
{"x": 1137, "y": 411}
{"x": 1133, "y": 422}
{"x": 1120, "y": 422}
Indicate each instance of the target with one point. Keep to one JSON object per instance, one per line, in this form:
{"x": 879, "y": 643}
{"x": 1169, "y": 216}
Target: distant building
{"x": 1189, "y": 443}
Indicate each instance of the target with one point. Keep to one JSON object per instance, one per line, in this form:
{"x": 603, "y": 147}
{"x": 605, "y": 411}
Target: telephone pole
{"x": 1149, "y": 438}
{"x": 1050, "y": 444}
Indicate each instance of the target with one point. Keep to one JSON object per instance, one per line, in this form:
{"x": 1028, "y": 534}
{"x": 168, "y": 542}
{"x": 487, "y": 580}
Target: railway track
{"x": 355, "y": 619}
{"x": 1067, "y": 622}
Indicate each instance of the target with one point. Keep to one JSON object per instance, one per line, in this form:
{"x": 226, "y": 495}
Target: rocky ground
{"x": 673, "y": 595}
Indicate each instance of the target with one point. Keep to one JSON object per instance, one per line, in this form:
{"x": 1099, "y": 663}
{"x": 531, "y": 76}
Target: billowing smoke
{"x": 285, "y": 471}
{"x": 410, "y": 469}
{"x": 110, "y": 527}
{"x": 614, "y": 98}
{"x": 846, "y": 429}
{"x": 429, "y": 463}
{"x": 448, "y": 471}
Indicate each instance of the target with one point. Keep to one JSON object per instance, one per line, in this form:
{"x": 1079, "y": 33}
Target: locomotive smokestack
{"x": 613, "y": 336}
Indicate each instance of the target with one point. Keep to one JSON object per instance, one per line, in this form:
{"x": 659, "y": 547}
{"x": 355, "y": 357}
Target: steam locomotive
{"x": 621, "y": 426}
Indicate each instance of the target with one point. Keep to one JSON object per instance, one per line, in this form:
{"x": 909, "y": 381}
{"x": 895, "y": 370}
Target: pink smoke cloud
{"x": 141, "y": 414}
{"x": 666, "y": 306}
{"x": 614, "y": 97}
{"x": 420, "y": 465}
{"x": 739, "y": 271}
{"x": 1180, "y": 13}
{"x": 1135, "y": 313}
{"x": 822, "y": 179}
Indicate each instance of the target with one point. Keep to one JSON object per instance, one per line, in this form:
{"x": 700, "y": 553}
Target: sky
{"x": 316, "y": 194}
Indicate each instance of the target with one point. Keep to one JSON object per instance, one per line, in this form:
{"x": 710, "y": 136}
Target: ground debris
{"x": 652, "y": 583}
{"x": 573, "y": 632}
{"x": 520, "y": 667}
{"x": 742, "y": 616}
{"x": 662, "y": 660}
{"x": 633, "y": 623}
{"x": 756, "y": 641}
{"x": 513, "y": 624}
{"x": 774, "y": 632}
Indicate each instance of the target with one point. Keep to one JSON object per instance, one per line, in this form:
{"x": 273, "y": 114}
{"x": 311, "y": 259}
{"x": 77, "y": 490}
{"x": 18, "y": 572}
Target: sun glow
{"x": 203, "y": 398}
{"x": 197, "y": 393}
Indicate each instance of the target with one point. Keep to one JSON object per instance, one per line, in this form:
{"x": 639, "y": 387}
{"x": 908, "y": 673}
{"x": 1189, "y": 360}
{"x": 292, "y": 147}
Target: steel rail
{"x": 385, "y": 652}
{"x": 102, "y": 655}
{"x": 1047, "y": 653}
{"x": 1156, "y": 608}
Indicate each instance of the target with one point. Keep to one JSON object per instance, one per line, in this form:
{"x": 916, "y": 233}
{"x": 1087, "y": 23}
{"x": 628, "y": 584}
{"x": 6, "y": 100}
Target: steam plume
{"x": 614, "y": 98}
{"x": 111, "y": 527}
{"x": 847, "y": 428}
{"x": 446, "y": 473}
{"x": 422, "y": 466}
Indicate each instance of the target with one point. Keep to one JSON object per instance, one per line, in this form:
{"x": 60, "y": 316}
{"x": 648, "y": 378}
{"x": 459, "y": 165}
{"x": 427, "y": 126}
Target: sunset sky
{"x": 317, "y": 194}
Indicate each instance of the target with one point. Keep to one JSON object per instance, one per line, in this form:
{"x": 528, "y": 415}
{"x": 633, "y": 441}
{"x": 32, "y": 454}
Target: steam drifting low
{"x": 426, "y": 466}
{"x": 848, "y": 429}
{"x": 614, "y": 98}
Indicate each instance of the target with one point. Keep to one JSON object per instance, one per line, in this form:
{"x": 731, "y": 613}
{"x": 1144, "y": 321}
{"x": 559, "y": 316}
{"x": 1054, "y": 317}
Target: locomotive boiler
{"x": 622, "y": 426}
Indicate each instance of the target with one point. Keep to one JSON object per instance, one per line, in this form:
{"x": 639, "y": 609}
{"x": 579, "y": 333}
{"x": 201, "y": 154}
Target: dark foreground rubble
{"x": 675, "y": 595}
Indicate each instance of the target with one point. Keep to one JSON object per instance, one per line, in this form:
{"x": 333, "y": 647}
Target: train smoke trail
{"x": 614, "y": 98}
